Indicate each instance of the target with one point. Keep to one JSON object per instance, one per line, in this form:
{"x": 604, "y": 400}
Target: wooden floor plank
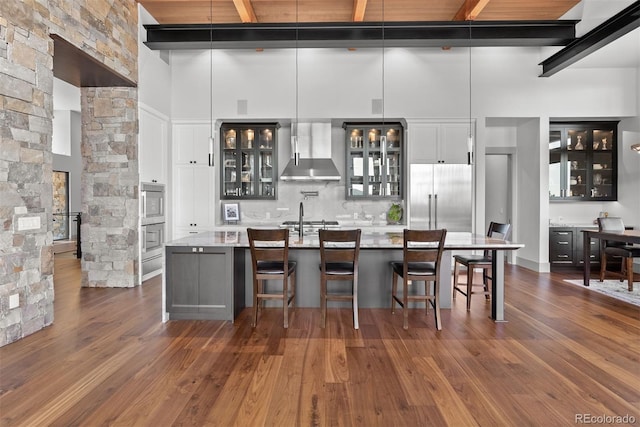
{"x": 261, "y": 391}
{"x": 109, "y": 360}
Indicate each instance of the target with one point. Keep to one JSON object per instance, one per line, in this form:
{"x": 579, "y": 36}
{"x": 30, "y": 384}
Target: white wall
{"x": 65, "y": 96}
{"x": 154, "y": 71}
{"x": 419, "y": 83}
{"x": 66, "y": 105}
{"x": 512, "y": 104}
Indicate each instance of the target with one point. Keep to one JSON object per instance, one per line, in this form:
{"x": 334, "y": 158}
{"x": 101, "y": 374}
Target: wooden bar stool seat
{"x": 270, "y": 260}
{"x": 472, "y": 262}
{"x": 422, "y": 253}
{"x": 339, "y": 253}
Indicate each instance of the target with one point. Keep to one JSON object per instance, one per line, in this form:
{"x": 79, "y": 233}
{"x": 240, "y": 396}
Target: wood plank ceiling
{"x": 289, "y": 11}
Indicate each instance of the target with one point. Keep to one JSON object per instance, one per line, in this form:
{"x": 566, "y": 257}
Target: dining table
{"x": 626, "y": 236}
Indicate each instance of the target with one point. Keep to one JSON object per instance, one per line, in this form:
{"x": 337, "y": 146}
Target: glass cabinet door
{"x": 374, "y": 161}
{"x": 374, "y": 187}
{"x": 249, "y": 153}
{"x": 230, "y": 178}
{"x": 602, "y": 171}
{"x": 247, "y": 174}
{"x": 393, "y": 166}
{"x": 557, "y": 181}
{"x": 582, "y": 161}
{"x": 576, "y": 163}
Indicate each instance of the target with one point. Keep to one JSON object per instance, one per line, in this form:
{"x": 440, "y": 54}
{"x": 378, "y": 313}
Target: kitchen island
{"x": 208, "y": 275}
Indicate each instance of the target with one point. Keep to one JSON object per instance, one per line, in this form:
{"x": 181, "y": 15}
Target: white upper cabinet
{"x": 193, "y": 180}
{"x": 454, "y": 143}
{"x": 437, "y": 142}
{"x": 152, "y": 143}
{"x": 193, "y": 197}
{"x": 422, "y": 142}
{"x": 192, "y": 144}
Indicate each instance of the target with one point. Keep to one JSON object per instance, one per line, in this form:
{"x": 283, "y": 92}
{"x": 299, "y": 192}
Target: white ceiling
{"x": 621, "y": 53}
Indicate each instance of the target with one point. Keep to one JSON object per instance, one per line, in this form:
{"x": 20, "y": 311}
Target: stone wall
{"x": 109, "y": 187}
{"x": 108, "y": 32}
{"x": 26, "y": 251}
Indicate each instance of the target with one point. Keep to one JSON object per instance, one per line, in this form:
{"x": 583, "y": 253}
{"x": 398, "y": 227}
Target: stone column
{"x": 110, "y": 187}
{"x": 26, "y": 251}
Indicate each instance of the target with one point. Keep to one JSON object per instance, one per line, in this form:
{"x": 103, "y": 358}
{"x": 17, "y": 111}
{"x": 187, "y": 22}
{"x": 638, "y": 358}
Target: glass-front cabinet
{"x": 248, "y": 153}
{"x": 374, "y": 160}
{"x": 583, "y": 161}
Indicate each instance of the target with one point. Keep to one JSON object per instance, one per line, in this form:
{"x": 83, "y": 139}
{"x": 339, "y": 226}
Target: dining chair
{"x": 613, "y": 249}
{"x": 339, "y": 253}
{"x": 472, "y": 262}
{"x": 422, "y": 254}
{"x": 270, "y": 260}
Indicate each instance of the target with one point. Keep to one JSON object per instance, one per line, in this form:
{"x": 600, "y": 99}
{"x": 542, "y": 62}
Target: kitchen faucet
{"x": 301, "y": 214}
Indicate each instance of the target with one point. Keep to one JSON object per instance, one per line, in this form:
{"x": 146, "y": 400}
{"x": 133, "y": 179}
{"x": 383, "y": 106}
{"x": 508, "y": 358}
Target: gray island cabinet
{"x": 200, "y": 279}
{"x": 208, "y": 275}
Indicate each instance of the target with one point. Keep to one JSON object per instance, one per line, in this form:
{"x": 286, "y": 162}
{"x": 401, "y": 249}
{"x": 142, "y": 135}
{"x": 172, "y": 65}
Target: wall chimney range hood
{"x": 314, "y": 145}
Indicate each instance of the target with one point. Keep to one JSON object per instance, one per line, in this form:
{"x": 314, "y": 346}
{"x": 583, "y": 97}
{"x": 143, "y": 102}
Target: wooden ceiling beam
{"x": 470, "y": 10}
{"x": 359, "y": 8}
{"x": 245, "y": 10}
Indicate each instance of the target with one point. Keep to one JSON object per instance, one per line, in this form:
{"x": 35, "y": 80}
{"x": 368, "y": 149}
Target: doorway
{"x": 499, "y": 191}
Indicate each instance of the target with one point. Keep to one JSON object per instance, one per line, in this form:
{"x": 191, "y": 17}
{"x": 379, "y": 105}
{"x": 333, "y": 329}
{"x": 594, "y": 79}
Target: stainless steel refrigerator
{"x": 441, "y": 197}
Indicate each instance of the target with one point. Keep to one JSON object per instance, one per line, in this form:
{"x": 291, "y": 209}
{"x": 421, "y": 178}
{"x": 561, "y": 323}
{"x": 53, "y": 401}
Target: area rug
{"x": 612, "y": 288}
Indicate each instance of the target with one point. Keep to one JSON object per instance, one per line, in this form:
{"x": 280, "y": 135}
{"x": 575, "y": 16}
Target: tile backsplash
{"x": 330, "y": 204}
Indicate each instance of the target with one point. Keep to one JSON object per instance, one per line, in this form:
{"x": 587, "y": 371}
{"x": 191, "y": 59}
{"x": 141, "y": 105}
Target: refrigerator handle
{"x": 429, "y": 211}
{"x": 435, "y": 210}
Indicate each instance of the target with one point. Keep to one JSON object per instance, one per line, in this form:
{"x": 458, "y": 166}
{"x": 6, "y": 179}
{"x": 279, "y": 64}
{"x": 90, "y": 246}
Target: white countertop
{"x": 579, "y": 225}
{"x": 368, "y": 240}
{"x": 364, "y": 225}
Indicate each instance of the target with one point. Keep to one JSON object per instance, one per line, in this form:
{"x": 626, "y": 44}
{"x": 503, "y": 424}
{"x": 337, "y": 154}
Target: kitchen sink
{"x": 310, "y": 227}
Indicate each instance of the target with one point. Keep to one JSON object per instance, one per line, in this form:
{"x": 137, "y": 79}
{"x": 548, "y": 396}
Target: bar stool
{"x": 270, "y": 259}
{"x": 472, "y": 262}
{"x": 617, "y": 249}
{"x": 339, "y": 253}
{"x": 422, "y": 253}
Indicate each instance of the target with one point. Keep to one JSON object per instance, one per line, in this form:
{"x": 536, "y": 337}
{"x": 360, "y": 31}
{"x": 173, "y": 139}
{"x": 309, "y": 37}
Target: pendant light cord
{"x": 297, "y": 36}
{"x": 383, "y": 67}
{"x": 296, "y": 154}
{"x": 212, "y": 137}
{"x": 211, "y": 64}
{"x": 470, "y": 141}
{"x": 383, "y": 131}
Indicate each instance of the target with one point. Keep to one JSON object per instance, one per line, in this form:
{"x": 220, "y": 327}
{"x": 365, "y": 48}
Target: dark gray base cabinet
{"x": 200, "y": 282}
{"x": 565, "y": 247}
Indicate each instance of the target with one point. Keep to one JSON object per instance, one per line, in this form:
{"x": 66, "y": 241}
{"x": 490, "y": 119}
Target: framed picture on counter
{"x": 231, "y": 212}
{"x": 231, "y": 237}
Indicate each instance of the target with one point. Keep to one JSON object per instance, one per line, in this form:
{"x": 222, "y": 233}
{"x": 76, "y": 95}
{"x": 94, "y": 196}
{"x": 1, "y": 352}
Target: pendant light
{"x": 294, "y": 129}
{"x": 212, "y": 136}
{"x": 383, "y": 134}
{"x": 470, "y": 137}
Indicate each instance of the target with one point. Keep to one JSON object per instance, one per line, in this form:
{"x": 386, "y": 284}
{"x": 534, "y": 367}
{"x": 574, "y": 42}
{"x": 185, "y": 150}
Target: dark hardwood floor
{"x": 565, "y": 352}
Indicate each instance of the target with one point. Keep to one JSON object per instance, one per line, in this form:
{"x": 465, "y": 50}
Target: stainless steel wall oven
{"x": 152, "y": 200}
{"x": 152, "y": 232}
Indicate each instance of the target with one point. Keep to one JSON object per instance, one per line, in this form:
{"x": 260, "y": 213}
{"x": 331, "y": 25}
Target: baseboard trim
{"x": 540, "y": 267}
